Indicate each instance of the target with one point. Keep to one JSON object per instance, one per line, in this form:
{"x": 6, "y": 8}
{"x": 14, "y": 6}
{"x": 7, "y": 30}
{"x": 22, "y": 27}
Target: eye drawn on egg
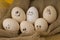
{"x": 38, "y": 26}
{"x": 17, "y": 13}
{"x": 8, "y": 27}
{"x": 30, "y": 13}
{"x": 24, "y": 29}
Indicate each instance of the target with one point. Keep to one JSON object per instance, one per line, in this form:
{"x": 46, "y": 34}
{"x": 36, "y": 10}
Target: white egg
{"x": 18, "y": 14}
{"x": 11, "y": 25}
{"x": 50, "y": 14}
{"x": 26, "y": 27}
{"x": 32, "y": 14}
{"x": 41, "y": 24}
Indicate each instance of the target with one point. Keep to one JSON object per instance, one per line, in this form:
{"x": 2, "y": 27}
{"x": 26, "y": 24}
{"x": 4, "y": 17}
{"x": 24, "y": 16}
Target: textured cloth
{"x": 50, "y": 34}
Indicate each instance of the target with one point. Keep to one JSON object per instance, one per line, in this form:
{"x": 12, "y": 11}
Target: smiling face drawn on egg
{"x": 26, "y": 27}
{"x": 32, "y": 14}
{"x": 18, "y": 14}
{"x": 10, "y": 25}
{"x": 50, "y": 14}
{"x": 41, "y": 24}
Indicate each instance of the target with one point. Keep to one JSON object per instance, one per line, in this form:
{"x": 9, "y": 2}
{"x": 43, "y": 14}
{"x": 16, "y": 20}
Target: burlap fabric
{"x": 52, "y": 32}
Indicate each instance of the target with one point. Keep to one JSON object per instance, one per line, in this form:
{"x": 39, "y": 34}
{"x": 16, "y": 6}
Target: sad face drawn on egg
{"x": 10, "y": 25}
{"x": 50, "y": 14}
{"x": 18, "y": 14}
{"x": 26, "y": 27}
{"x": 41, "y": 24}
{"x": 32, "y": 14}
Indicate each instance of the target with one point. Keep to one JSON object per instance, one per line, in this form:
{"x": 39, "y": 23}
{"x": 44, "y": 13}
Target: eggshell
{"x": 18, "y": 14}
{"x": 41, "y": 24}
{"x": 26, "y": 27}
{"x": 32, "y": 14}
{"x": 11, "y": 25}
{"x": 50, "y": 14}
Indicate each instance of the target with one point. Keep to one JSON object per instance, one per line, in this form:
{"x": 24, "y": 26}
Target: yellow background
{"x": 5, "y": 3}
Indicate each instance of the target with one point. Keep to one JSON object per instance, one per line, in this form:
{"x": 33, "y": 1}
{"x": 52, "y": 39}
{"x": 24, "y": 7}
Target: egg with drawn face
{"x": 18, "y": 14}
{"x": 26, "y": 27}
{"x": 32, "y": 14}
{"x": 50, "y": 14}
{"x": 11, "y": 25}
{"x": 41, "y": 24}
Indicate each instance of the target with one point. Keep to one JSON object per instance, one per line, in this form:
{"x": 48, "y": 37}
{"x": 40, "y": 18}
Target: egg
{"x": 41, "y": 24}
{"x": 18, "y": 14}
{"x": 26, "y": 27}
{"x": 50, "y": 14}
{"x": 32, "y": 14}
{"x": 11, "y": 25}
